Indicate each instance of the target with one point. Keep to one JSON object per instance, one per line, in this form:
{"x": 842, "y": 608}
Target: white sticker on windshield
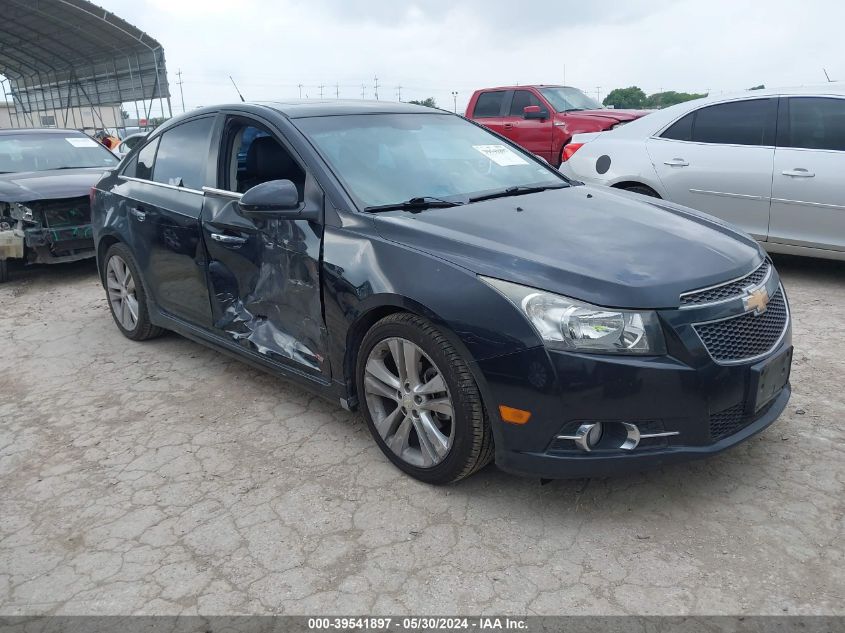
{"x": 81, "y": 141}
{"x": 501, "y": 155}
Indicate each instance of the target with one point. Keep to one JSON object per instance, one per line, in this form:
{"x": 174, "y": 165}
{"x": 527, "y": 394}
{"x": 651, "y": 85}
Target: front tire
{"x": 4, "y": 270}
{"x": 126, "y": 296}
{"x": 421, "y": 402}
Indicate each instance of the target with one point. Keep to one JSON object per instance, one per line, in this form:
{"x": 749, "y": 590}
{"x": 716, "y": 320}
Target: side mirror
{"x": 534, "y": 112}
{"x": 276, "y": 198}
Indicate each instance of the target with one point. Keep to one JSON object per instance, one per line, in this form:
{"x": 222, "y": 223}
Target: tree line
{"x": 633, "y": 98}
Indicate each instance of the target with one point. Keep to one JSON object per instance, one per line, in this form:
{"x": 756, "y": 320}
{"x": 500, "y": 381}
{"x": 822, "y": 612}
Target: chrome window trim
{"x": 764, "y": 282}
{"x": 222, "y": 192}
{"x": 160, "y": 184}
{"x": 750, "y": 359}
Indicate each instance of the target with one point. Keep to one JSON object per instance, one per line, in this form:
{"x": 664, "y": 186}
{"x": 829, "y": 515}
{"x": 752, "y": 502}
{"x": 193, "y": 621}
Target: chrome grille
{"x": 726, "y": 291}
{"x": 746, "y": 336}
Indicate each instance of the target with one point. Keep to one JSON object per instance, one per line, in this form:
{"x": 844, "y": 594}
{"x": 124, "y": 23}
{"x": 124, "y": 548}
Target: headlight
{"x": 565, "y": 323}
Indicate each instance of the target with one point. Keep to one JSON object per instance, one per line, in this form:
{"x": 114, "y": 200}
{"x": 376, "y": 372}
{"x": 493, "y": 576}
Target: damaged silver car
{"x": 46, "y": 177}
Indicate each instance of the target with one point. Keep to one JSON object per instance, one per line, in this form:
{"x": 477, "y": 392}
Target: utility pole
{"x": 598, "y": 94}
{"x": 181, "y": 93}
{"x": 300, "y": 90}
{"x": 337, "y": 91}
{"x": 399, "y": 92}
{"x": 363, "y": 88}
{"x": 375, "y": 87}
{"x": 455, "y": 100}
{"x": 321, "y": 86}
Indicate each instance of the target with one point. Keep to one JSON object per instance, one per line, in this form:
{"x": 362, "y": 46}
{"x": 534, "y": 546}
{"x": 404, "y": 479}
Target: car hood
{"x": 609, "y": 248}
{"x": 616, "y": 115}
{"x": 46, "y": 185}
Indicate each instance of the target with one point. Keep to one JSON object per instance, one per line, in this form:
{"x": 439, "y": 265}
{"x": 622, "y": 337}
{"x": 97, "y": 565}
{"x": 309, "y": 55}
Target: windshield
{"x": 45, "y": 151}
{"x": 564, "y": 99}
{"x": 386, "y": 159}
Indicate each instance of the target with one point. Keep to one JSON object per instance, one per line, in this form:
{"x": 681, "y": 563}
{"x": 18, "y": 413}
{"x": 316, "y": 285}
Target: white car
{"x": 125, "y": 146}
{"x": 772, "y": 162}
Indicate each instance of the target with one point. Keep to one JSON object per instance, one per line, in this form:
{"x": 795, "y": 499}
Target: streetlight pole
{"x": 455, "y": 100}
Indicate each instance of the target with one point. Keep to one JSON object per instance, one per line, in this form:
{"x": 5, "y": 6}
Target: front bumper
{"x": 61, "y": 244}
{"x": 709, "y": 405}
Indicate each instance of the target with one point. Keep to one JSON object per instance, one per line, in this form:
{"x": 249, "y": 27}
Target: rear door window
{"x": 489, "y": 104}
{"x": 750, "y": 122}
{"x": 814, "y": 123}
{"x": 182, "y": 158}
{"x": 736, "y": 123}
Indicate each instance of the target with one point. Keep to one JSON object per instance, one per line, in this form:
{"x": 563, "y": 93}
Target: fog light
{"x": 624, "y": 436}
{"x": 588, "y": 436}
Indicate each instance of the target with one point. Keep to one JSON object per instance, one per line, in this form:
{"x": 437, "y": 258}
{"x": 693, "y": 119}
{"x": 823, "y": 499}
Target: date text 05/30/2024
{"x": 417, "y": 624}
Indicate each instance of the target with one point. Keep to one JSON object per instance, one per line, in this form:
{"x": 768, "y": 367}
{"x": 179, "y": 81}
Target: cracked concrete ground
{"x": 165, "y": 478}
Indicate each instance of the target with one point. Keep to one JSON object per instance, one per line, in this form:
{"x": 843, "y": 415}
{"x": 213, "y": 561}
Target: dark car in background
{"x": 467, "y": 297}
{"x": 542, "y": 119}
{"x": 45, "y": 182}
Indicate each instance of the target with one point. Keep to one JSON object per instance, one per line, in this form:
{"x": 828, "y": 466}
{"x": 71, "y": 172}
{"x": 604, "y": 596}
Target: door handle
{"x": 676, "y": 162}
{"x": 229, "y": 240}
{"x": 509, "y": 126}
{"x": 798, "y": 172}
{"x": 138, "y": 213}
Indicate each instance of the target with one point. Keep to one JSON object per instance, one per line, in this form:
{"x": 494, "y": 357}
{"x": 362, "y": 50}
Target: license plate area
{"x": 769, "y": 378}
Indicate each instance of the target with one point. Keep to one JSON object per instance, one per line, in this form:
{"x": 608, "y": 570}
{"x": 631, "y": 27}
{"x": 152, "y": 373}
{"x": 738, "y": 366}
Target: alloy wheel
{"x": 409, "y": 402}
{"x": 121, "y": 291}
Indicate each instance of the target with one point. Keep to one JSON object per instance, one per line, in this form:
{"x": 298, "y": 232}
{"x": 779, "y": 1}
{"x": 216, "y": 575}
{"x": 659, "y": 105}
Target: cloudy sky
{"x": 434, "y": 47}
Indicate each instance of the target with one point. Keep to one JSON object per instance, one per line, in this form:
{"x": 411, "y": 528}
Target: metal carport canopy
{"x": 58, "y": 54}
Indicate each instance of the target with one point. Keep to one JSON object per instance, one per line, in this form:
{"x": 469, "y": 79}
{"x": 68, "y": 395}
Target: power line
{"x": 181, "y": 93}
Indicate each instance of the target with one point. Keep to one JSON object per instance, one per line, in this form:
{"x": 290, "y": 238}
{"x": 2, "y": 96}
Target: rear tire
{"x": 642, "y": 190}
{"x": 4, "y": 270}
{"x": 126, "y": 295}
{"x": 448, "y": 401}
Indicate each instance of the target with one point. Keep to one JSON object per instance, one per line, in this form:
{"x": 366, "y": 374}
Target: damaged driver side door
{"x": 264, "y": 271}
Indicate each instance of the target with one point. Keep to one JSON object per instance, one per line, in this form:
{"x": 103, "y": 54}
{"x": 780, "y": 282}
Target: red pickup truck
{"x": 542, "y": 119}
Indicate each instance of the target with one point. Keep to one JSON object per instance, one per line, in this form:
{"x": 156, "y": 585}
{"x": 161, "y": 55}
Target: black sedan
{"x": 46, "y": 177}
{"x": 470, "y": 300}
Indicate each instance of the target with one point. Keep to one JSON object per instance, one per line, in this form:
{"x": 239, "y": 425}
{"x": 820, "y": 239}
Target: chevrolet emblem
{"x": 757, "y": 300}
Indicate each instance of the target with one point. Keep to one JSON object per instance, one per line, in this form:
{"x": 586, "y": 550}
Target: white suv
{"x": 772, "y": 162}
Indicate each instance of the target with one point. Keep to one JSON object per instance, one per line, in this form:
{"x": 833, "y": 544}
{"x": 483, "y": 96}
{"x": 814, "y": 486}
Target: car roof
{"x": 39, "y": 130}
{"x": 523, "y": 86}
{"x": 298, "y": 108}
{"x": 658, "y": 119}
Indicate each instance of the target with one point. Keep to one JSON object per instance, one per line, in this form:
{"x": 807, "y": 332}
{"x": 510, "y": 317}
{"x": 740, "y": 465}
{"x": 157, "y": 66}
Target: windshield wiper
{"x": 415, "y": 204}
{"x": 515, "y": 191}
{"x": 574, "y": 109}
